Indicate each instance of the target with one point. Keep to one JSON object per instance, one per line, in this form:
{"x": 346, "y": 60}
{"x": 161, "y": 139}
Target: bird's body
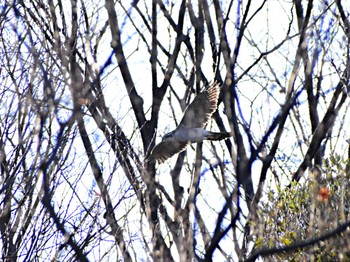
{"x": 194, "y": 135}
{"x": 191, "y": 128}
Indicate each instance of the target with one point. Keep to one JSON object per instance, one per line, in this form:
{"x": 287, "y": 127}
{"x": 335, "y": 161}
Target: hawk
{"x": 191, "y": 128}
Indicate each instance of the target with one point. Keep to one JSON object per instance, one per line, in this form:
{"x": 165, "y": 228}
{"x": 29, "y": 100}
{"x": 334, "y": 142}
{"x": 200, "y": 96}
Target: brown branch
{"x": 323, "y": 128}
{"x": 47, "y": 196}
{"x": 302, "y": 244}
{"x": 135, "y": 99}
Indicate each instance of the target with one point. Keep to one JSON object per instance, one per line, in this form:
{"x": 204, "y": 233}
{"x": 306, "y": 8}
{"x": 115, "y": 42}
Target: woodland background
{"x": 87, "y": 89}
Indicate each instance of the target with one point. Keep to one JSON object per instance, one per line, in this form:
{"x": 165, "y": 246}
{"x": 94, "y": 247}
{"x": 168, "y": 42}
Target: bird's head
{"x": 169, "y": 135}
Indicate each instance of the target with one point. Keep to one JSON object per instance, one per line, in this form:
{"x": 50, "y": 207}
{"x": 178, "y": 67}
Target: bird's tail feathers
{"x": 218, "y": 135}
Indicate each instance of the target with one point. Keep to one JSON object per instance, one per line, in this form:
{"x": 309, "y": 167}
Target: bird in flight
{"x": 191, "y": 128}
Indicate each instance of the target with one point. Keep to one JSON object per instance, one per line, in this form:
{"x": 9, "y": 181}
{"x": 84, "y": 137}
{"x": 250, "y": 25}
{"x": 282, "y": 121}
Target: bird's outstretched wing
{"x": 167, "y": 149}
{"x": 199, "y": 112}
